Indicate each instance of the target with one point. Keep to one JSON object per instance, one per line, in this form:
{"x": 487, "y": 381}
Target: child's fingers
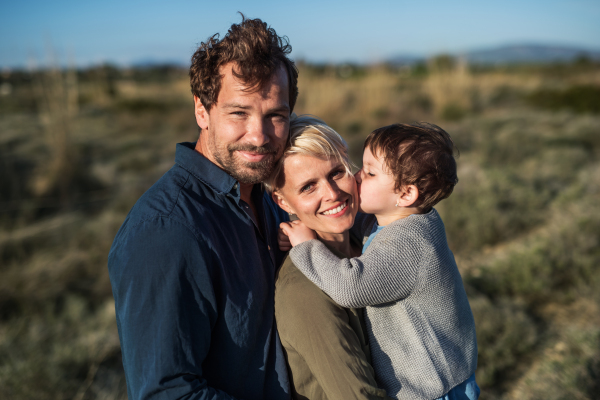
{"x": 283, "y": 240}
{"x": 283, "y": 227}
{"x": 288, "y": 227}
{"x": 285, "y": 246}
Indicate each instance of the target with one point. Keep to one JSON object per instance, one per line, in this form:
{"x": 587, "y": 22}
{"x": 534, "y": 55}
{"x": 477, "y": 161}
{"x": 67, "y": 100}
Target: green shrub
{"x": 568, "y": 368}
{"x": 453, "y": 112}
{"x": 488, "y": 207}
{"x": 578, "y": 98}
{"x": 506, "y": 338}
{"x": 551, "y": 266}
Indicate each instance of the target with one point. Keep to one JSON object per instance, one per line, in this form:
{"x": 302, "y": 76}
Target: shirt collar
{"x": 206, "y": 171}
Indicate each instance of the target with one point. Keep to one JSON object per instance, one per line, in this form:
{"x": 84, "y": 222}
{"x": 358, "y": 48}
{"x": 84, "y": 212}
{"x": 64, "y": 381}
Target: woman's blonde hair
{"x": 310, "y": 136}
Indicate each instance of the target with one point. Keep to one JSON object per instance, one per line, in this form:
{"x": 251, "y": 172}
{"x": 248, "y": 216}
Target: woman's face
{"x": 319, "y": 192}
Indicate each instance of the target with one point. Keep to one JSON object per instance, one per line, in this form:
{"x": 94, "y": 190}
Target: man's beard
{"x": 247, "y": 172}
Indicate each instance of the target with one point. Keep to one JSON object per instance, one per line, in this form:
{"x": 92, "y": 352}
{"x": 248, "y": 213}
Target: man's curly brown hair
{"x": 257, "y": 52}
{"x": 421, "y": 155}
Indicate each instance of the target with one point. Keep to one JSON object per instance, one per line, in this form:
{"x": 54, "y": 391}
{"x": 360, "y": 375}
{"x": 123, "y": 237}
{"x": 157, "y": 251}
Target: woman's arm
{"x": 386, "y": 272}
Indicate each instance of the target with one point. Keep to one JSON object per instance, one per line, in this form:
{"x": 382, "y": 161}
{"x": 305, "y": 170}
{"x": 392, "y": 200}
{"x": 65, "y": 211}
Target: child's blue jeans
{"x": 468, "y": 390}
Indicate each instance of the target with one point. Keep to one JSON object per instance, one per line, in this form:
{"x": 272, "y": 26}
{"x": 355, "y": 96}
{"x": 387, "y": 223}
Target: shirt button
{"x": 235, "y": 186}
{"x": 269, "y": 247}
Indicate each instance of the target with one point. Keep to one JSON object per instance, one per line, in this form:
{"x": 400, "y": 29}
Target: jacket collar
{"x": 204, "y": 170}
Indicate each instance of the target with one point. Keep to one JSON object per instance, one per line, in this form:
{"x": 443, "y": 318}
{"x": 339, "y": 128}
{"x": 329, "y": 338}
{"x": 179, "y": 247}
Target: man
{"x": 192, "y": 268}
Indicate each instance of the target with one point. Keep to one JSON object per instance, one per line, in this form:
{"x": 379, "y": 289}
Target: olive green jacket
{"x": 325, "y": 345}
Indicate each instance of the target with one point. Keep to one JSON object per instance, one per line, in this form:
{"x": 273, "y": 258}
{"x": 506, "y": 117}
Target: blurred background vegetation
{"x": 78, "y": 148}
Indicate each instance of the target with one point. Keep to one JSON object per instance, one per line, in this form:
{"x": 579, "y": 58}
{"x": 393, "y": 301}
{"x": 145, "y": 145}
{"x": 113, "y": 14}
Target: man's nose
{"x": 257, "y": 132}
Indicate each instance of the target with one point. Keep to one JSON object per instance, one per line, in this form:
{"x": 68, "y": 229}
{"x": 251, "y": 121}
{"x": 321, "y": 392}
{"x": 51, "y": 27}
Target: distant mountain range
{"x": 509, "y": 54}
{"x": 520, "y": 53}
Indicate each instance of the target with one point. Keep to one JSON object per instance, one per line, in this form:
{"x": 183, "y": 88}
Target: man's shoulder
{"x": 162, "y": 196}
{"x": 173, "y": 196}
{"x": 163, "y": 212}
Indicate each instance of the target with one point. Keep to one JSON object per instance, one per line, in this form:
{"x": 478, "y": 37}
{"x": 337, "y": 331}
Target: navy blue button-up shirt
{"x": 193, "y": 281}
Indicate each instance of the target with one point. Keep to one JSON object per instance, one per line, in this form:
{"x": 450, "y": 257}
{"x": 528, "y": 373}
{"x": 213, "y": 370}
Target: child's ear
{"x": 280, "y": 201}
{"x": 407, "y": 196}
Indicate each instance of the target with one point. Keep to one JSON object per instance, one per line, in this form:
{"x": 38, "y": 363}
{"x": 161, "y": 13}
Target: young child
{"x": 421, "y": 329}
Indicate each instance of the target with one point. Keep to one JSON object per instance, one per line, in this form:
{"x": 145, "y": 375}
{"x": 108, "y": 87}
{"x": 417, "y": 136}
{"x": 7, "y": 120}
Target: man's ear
{"x": 280, "y": 201}
{"x": 407, "y": 196}
{"x": 202, "y": 117}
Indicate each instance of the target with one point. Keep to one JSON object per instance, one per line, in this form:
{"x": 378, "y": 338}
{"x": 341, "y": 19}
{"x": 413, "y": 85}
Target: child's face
{"x": 376, "y": 187}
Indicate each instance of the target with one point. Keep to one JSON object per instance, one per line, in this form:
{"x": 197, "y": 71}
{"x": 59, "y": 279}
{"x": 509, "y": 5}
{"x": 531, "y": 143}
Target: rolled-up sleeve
{"x": 165, "y": 307}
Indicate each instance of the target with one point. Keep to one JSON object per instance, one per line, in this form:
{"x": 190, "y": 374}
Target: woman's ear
{"x": 280, "y": 201}
{"x": 202, "y": 117}
{"x": 407, "y": 196}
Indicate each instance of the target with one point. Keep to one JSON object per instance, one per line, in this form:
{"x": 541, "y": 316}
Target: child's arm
{"x": 386, "y": 272}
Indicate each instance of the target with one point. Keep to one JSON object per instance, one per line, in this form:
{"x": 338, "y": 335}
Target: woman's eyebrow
{"x": 301, "y": 184}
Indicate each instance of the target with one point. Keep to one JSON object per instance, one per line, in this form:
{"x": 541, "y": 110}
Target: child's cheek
{"x": 360, "y": 198}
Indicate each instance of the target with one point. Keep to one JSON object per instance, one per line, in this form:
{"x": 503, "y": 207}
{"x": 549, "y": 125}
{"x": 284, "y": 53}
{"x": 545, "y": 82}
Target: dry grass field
{"x": 77, "y": 148}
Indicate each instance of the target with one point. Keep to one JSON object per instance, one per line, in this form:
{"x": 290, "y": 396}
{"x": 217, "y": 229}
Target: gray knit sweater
{"x": 421, "y": 329}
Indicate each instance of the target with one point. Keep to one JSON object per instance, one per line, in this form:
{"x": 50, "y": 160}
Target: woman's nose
{"x": 357, "y": 176}
{"x": 332, "y": 191}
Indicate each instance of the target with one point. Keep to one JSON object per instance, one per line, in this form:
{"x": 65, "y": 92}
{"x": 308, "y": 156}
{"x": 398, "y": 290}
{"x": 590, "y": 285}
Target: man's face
{"x": 245, "y": 131}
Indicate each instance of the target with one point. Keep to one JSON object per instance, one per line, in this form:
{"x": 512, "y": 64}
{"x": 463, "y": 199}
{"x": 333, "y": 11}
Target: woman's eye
{"x": 306, "y": 188}
{"x": 338, "y": 173}
{"x": 370, "y": 174}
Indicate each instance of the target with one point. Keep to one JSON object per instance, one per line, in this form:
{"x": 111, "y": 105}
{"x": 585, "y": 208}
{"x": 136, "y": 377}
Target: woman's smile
{"x": 337, "y": 211}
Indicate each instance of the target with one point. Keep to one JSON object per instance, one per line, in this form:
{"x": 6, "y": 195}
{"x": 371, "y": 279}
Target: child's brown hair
{"x": 417, "y": 154}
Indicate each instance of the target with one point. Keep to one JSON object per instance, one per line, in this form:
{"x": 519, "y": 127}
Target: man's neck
{"x": 246, "y": 193}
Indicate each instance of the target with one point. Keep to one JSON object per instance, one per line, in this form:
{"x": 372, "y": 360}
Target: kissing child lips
{"x": 337, "y": 210}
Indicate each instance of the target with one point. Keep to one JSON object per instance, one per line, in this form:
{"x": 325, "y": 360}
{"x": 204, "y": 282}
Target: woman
{"x": 325, "y": 344}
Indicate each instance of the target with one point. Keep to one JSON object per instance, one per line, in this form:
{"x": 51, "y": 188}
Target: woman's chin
{"x": 335, "y": 227}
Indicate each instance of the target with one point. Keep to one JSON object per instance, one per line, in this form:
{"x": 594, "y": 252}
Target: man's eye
{"x": 278, "y": 117}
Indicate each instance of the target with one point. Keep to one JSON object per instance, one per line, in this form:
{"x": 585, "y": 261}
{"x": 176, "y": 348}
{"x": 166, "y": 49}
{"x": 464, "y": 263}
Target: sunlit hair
{"x": 257, "y": 53}
{"x": 421, "y": 155}
{"x": 310, "y": 136}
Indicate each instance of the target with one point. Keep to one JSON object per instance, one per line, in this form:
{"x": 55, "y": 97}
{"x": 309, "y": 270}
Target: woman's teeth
{"x": 335, "y": 210}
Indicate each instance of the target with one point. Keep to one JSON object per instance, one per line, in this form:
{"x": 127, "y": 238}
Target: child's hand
{"x": 284, "y": 241}
{"x": 297, "y": 232}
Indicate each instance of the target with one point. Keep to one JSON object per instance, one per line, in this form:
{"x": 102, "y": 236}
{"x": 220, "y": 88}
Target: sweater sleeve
{"x": 386, "y": 272}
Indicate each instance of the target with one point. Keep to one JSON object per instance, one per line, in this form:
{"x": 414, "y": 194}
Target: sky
{"x": 125, "y": 32}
